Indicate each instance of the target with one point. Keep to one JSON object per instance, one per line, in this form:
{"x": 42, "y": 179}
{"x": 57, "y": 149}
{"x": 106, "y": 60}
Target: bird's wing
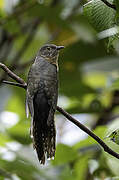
{"x": 26, "y": 107}
{"x": 29, "y": 104}
{"x": 30, "y": 108}
{"x": 31, "y": 89}
{"x": 52, "y": 95}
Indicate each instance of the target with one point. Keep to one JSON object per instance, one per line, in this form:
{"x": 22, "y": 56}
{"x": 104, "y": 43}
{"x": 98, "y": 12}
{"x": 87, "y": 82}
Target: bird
{"x": 41, "y": 100}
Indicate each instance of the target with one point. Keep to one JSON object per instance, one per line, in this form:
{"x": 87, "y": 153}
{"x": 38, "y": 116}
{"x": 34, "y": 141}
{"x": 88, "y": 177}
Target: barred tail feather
{"x": 43, "y": 133}
{"x": 44, "y": 142}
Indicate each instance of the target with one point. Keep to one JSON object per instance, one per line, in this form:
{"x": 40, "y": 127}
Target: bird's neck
{"x": 53, "y": 61}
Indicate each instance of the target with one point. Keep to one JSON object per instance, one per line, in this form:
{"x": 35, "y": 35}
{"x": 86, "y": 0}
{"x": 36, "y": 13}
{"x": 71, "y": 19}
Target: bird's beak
{"x": 60, "y": 47}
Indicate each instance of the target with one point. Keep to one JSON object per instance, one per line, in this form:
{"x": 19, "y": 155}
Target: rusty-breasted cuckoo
{"x": 41, "y": 100}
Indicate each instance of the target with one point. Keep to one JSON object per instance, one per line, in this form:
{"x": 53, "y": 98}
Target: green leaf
{"x": 21, "y": 167}
{"x": 4, "y": 139}
{"x": 115, "y": 85}
{"x": 114, "y": 136}
{"x": 64, "y": 154}
{"x": 100, "y": 15}
{"x": 81, "y": 167}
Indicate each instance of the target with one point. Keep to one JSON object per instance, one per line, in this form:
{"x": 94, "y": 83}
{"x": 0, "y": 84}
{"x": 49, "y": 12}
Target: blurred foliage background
{"x": 88, "y": 87}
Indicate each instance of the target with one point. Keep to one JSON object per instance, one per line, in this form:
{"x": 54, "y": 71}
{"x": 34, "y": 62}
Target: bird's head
{"x": 50, "y": 52}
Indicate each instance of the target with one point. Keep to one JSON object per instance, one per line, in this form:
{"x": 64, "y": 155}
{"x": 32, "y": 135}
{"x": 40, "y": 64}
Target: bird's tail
{"x": 44, "y": 141}
{"x": 43, "y": 133}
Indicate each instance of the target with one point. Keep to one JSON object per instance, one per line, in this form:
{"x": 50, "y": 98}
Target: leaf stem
{"x": 109, "y": 5}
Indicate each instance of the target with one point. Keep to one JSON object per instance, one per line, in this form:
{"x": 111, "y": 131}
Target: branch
{"x": 68, "y": 116}
{"x": 90, "y": 133}
{"x": 12, "y": 75}
{"x": 109, "y": 5}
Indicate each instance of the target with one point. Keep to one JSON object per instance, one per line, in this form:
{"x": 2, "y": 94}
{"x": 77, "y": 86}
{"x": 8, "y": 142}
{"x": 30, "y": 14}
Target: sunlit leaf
{"x": 2, "y": 4}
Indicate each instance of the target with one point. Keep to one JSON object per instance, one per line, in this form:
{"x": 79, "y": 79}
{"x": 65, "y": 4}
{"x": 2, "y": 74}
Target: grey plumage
{"x": 41, "y": 100}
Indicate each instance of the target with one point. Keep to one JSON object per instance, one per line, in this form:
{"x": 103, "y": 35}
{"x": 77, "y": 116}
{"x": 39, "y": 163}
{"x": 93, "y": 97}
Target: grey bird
{"x": 41, "y": 100}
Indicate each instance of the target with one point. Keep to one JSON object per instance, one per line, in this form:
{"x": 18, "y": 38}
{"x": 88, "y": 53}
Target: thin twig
{"x": 12, "y": 75}
{"x": 109, "y": 5}
{"x": 68, "y": 116}
{"x": 15, "y": 84}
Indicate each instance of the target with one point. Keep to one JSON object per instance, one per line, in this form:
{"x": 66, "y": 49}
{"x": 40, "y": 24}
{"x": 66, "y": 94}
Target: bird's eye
{"x": 48, "y": 48}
